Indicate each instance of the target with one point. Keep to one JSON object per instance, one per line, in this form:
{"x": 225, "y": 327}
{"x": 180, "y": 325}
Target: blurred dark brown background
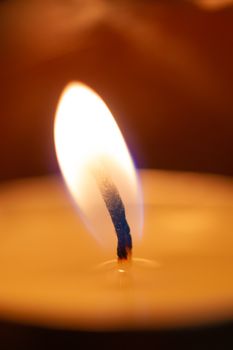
{"x": 165, "y": 68}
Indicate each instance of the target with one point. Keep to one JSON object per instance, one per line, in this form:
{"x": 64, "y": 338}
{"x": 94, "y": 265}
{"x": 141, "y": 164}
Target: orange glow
{"x": 214, "y": 4}
{"x": 89, "y": 142}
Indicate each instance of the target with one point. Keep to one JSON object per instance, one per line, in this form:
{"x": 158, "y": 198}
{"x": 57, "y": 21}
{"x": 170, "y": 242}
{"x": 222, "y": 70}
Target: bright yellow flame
{"x": 88, "y": 141}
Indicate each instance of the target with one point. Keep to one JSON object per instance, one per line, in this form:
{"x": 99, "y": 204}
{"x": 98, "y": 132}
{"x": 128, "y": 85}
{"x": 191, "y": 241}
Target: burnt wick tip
{"x": 116, "y": 209}
{"x": 124, "y": 255}
{"x": 124, "y": 247}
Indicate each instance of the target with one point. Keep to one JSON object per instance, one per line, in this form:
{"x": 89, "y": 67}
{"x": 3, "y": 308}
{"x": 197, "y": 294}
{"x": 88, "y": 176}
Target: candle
{"x": 53, "y": 272}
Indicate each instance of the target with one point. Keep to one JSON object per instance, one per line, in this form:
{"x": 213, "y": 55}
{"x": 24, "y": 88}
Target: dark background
{"x": 214, "y": 337}
{"x": 165, "y": 69}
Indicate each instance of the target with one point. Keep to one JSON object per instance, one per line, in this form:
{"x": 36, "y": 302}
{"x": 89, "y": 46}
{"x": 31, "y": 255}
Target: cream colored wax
{"x": 52, "y": 271}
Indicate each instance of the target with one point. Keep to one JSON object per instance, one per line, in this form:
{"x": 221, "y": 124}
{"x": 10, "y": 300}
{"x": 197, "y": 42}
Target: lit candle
{"x": 95, "y": 160}
{"x": 51, "y": 270}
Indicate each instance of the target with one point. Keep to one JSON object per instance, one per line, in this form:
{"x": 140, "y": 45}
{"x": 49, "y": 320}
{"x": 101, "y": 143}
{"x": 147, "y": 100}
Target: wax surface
{"x": 49, "y": 263}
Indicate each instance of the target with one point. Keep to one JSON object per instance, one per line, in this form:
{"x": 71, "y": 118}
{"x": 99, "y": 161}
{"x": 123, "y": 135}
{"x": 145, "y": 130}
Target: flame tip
{"x": 77, "y": 84}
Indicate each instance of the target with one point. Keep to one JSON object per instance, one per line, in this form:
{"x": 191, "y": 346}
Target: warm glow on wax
{"x": 89, "y": 142}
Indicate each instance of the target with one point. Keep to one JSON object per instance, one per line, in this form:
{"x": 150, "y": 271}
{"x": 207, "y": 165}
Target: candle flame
{"x": 89, "y": 146}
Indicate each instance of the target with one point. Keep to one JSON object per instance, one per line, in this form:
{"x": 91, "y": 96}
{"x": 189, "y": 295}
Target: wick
{"x": 116, "y": 210}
